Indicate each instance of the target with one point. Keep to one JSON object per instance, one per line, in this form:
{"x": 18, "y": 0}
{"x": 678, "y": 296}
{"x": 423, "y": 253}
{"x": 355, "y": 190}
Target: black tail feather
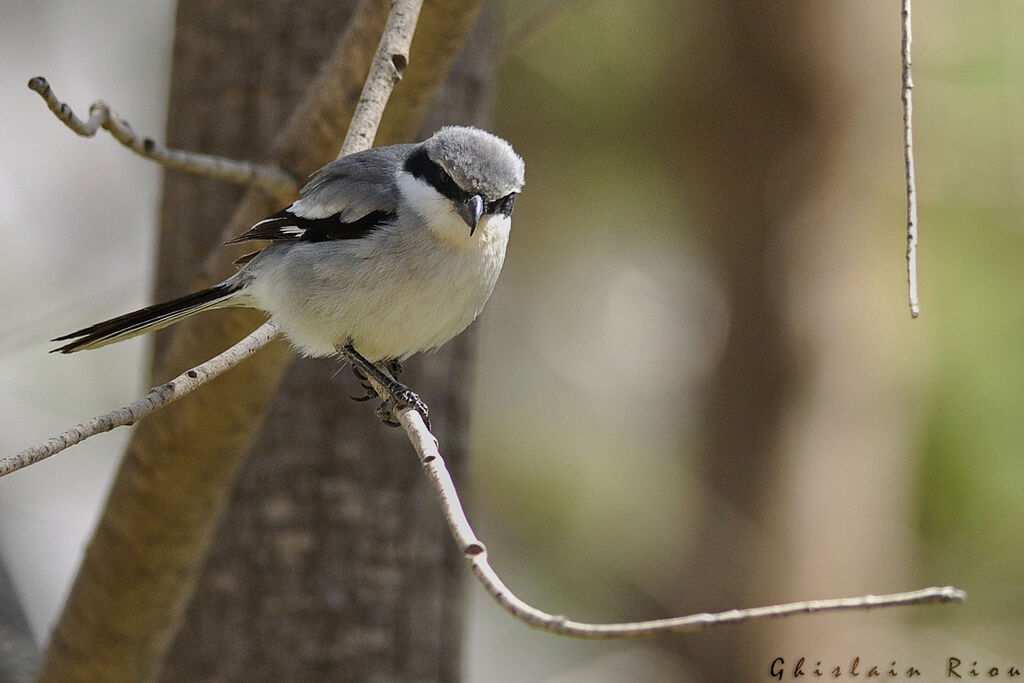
{"x": 145, "y": 319}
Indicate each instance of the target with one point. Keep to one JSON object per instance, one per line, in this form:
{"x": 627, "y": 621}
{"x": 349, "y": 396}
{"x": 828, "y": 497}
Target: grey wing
{"x": 347, "y": 199}
{"x": 354, "y": 186}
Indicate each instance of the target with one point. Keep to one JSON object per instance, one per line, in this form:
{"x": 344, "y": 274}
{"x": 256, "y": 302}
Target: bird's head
{"x": 464, "y": 172}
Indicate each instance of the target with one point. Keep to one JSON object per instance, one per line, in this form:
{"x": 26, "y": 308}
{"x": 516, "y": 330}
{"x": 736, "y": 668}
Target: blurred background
{"x": 698, "y": 384}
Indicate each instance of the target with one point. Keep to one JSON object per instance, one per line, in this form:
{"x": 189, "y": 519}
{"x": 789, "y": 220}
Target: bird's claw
{"x": 384, "y": 373}
{"x": 368, "y": 390}
{"x": 387, "y": 416}
{"x": 402, "y": 397}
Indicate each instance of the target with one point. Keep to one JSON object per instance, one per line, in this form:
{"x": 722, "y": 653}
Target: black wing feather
{"x": 285, "y": 225}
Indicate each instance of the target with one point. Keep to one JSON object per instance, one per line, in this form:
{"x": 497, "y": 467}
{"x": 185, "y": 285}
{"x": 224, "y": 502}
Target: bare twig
{"x": 475, "y": 554}
{"x": 270, "y": 178}
{"x": 908, "y": 158}
{"x": 185, "y": 383}
{"x": 388, "y": 66}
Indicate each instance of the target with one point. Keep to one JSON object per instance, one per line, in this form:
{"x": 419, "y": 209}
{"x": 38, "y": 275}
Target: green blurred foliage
{"x": 969, "y": 69}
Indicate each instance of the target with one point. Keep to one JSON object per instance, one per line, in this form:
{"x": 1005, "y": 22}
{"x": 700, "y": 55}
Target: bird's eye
{"x": 504, "y": 205}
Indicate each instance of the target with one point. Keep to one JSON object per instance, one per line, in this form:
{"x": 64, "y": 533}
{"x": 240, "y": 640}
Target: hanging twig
{"x": 270, "y": 178}
{"x": 908, "y": 159}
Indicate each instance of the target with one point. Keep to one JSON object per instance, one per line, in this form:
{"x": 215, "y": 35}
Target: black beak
{"x": 470, "y": 211}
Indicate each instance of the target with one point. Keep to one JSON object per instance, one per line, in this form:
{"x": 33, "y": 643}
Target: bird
{"x": 388, "y": 252}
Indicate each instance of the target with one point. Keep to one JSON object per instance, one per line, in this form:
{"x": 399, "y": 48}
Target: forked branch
{"x": 270, "y": 178}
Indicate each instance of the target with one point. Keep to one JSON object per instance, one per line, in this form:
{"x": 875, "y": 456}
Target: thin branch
{"x": 270, "y": 178}
{"x": 388, "y": 66}
{"x": 158, "y": 397}
{"x": 908, "y": 159}
{"x": 475, "y": 553}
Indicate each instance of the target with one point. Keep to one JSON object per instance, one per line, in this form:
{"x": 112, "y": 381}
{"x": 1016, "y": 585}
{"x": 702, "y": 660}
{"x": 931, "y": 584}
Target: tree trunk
{"x": 332, "y": 560}
{"x": 19, "y": 655}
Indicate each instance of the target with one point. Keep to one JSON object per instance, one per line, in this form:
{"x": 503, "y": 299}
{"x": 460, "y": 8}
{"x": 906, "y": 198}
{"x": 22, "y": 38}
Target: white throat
{"x": 434, "y": 208}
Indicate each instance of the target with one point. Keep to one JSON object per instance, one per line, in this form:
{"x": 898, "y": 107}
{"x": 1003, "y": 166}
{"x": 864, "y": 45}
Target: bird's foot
{"x": 400, "y": 396}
